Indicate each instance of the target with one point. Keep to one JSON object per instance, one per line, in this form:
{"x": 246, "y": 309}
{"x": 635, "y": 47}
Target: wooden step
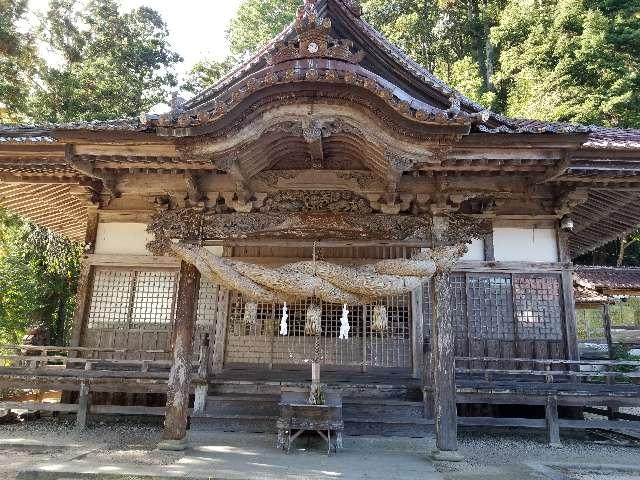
{"x": 381, "y": 408}
{"x": 234, "y": 423}
{"x": 242, "y": 387}
{"x": 242, "y": 405}
{"x": 389, "y": 426}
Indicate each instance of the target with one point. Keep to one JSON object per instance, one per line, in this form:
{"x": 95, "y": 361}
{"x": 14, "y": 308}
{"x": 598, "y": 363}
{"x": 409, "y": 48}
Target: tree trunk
{"x": 622, "y": 247}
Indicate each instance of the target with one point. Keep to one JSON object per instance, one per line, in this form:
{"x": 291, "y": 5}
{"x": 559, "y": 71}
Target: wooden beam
{"x": 178, "y": 387}
{"x": 91, "y": 234}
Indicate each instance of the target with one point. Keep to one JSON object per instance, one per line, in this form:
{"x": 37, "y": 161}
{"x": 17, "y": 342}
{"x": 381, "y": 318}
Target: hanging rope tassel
{"x": 283, "y": 323}
{"x": 344, "y": 323}
{"x": 380, "y": 321}
{"x": 250, "y": 313}
{"x": 313, "y": 323}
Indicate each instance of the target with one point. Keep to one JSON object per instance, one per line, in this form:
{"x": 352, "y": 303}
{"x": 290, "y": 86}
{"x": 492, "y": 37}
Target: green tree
{"x": 17, "y": 60}
{"x": 114, "y": 64}
{"x": 570, "y": 60}
{"x": 38, "y": 279}
{"x": 449, "y": 38}
{"x": 257, "y": 22}
{"x": 207, "y": 72}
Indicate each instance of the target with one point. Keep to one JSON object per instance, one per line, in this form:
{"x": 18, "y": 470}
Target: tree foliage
{"x": 570, "y": 60}
{"x": 17, "y": 59}
{"x": 111, "y": 64}
{"x": 257, "y": 22}
{"x": 38, "y": 278}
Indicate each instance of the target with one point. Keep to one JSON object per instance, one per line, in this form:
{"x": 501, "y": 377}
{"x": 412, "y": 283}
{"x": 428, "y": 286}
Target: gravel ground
{"x": 506, "y": 455}
{"x": 491, "y": 455}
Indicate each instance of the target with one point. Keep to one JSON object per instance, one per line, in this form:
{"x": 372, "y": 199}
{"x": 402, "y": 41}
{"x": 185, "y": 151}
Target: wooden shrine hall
{"x": 330, "y": 202}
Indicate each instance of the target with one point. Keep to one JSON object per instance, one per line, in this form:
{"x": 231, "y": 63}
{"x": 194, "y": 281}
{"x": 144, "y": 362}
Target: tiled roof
{"x": 584, "y": 294}
{"x": 610, "y": 278}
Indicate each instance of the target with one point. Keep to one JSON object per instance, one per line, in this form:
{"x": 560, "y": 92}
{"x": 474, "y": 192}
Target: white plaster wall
{"x": 122, "y": 239}
{"x": 475, "y": 250}
{"x": 525, "y": 244}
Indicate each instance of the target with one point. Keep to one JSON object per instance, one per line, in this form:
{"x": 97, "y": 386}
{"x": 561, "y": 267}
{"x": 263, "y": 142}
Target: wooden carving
{"x": 315, "y": 201}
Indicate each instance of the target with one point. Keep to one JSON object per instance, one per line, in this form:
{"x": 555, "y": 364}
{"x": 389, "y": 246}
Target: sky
{"x": 196, "y": 27}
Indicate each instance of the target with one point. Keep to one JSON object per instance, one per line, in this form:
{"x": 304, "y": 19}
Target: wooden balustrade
{"x": 58, "y": 368}
{"x": 549, "y": 383}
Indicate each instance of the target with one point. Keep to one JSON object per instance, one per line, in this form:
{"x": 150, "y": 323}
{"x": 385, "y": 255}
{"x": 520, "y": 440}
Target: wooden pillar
{"x": 568, "y": 300}
{"x": 612, "y": 411}
{"x": 178, "y": 387}
{"x": 417, "y": 332}
{"x": 443, "y": 358}
{"x": 221, "y": 330}
{"x": 606, "y": 324}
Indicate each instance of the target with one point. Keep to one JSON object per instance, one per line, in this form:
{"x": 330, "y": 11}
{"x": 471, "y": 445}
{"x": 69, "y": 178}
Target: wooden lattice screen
{"x": 134, "y": 309}
{"x": 262, "y": 343}
{"x": 505, "y": 315}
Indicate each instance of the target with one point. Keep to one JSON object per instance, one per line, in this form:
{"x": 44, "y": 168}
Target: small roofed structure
{"x": 600, "y": 287}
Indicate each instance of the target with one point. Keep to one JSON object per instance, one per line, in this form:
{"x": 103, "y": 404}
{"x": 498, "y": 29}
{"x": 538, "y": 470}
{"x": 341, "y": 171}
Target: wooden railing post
{"x": 201, "y": 390}
{"x": 83, "y": 400}
{"x": 551, "y": 419}
{"x": 179, "y": 384}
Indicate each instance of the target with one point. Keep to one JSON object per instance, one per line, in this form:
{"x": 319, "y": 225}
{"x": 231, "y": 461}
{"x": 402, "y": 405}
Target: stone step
{"x": 389, "y": 426}
{"x": 352, "y": 407}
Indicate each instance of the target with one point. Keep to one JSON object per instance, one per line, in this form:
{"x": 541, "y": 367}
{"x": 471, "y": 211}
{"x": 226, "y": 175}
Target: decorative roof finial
{"x": 307, "y": 11}
{"x": 314, "y": 40}
{"x": 176, "y": 103}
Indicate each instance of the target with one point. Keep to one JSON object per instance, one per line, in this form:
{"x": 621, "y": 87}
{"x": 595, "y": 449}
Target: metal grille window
{"x": 132, "y": 299}
{"x": 490, "y": 307}
{"x": 537, "y": 307}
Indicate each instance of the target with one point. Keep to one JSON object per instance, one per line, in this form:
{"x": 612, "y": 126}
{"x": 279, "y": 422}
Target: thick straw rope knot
{"x": 326, "y": 281}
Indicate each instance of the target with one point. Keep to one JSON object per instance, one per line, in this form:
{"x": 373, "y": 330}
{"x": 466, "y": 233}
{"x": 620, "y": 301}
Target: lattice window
{"x": 207, "y": 305}
{"x": 110, "y": 298}
{"x": 491, "y": 307}
{"x": 458, "y": 300}
{"x": 154, "y": 299}
{"x": 538, "y": 310}
{"x": 132, "y": 299}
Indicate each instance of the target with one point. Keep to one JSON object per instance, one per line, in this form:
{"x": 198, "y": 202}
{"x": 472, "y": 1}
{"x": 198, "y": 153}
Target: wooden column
{"x": 417, "y": 332}
{"x": 569, "y": 303}
{"x": 606, "y": 324}
{"x": 175, "y": 422}
{"x": 443, "y": 358}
